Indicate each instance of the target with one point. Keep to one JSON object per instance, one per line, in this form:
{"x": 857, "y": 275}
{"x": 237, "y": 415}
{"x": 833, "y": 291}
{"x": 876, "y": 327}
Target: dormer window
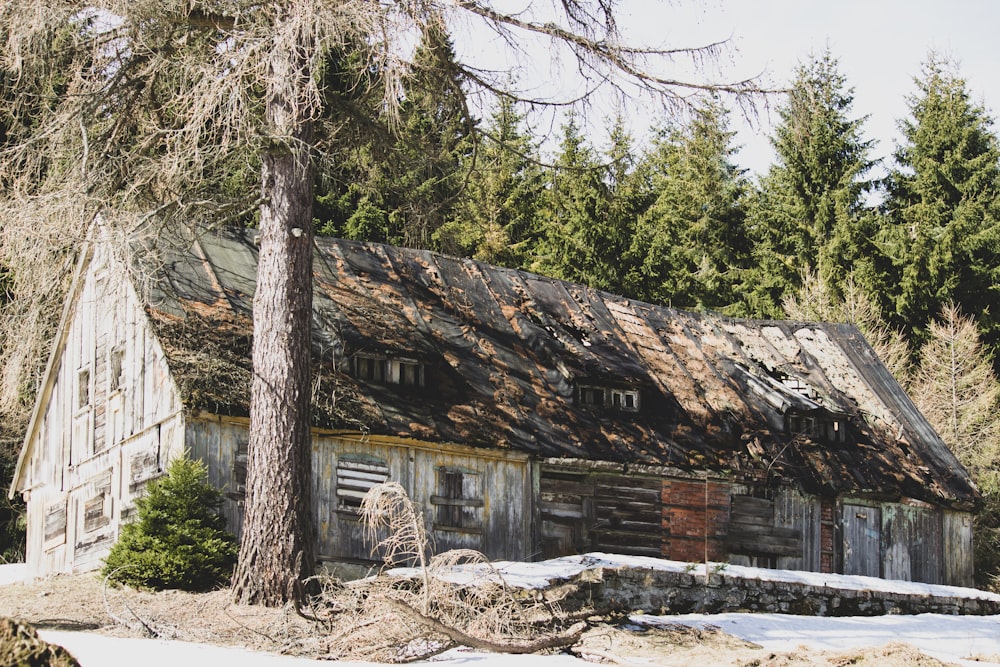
{"x": 592, "y": 397}
{"x": 608, "y": 398}
{"x": 407, "y": 372}
{"x": 625, "y": 399}
{"x": 825, "y": 427}
{"x": 369, "y": 368}
{"x": 382, "y": 370}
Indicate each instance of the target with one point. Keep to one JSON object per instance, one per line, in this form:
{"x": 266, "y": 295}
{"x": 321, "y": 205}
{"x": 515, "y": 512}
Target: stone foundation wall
{"x": 666, "y": 592}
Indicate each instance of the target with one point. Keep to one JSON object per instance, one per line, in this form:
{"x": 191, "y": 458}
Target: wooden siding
{"x": 583, "y": 510}
{"x": 755, "y": 532}
{"x": 96, "y": 438}
{"x": 862, "y": 531}
{"x": 472, "y": 499}
{"x": 221, "y": 445}
{"x": 802, "y": 515}
{"x": 494, "y": 501}
{"x": 909, "y": 541}
{"x": 911, "y": 536}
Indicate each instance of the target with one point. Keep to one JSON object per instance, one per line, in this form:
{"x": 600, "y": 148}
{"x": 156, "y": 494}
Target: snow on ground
{"x": 542, "y": 573}
{"x": 13, "y": 573}
{"x": 949, "y": 638}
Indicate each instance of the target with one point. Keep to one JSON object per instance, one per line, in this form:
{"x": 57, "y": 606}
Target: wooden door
{"x": 862, "y": 528}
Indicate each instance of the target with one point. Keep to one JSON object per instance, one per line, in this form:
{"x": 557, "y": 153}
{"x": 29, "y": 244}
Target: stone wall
{"x": 669, "y": 592}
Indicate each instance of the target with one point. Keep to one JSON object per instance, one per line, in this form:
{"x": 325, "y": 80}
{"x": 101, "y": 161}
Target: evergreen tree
{"x": 956, "y": 388}
{"x": 402, "y": 182}
{"x": 809, "y": 214}
{"x": 690, "y": 244}
{"x": 497, "y": 217}
{"x": 943, "y": 204}
{"x": 629, "y": 194}
{"x": 574, "y": 214}
{"x": 179, "y": 540}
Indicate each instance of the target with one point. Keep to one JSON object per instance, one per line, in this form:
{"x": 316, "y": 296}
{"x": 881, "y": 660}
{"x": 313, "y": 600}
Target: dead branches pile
{"x": 412, "y": 614}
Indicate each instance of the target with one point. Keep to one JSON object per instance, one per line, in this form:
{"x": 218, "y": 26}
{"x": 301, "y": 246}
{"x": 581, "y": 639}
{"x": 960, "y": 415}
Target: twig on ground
{"x": 150, "y": 630}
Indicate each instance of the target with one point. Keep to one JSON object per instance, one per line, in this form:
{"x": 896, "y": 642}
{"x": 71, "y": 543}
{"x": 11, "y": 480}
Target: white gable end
{"x": 107, "y": 420}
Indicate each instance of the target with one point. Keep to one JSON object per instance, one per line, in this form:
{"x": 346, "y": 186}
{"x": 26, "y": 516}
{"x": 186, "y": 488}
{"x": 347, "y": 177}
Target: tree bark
{"x": 278, "y": 543}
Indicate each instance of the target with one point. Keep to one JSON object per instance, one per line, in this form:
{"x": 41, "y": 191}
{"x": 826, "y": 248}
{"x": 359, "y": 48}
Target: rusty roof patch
{"x": 506, "y": 353}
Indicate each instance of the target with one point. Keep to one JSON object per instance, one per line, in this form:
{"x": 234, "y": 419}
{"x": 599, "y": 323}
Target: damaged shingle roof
{"x": 504, "y": 354}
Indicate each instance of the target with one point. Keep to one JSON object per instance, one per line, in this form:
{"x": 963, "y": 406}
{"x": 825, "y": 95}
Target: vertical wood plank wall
{"x": 93, "y": 445}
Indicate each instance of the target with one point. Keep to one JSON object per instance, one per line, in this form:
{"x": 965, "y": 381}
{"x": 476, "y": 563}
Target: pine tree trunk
{"x": 277, "y": 547}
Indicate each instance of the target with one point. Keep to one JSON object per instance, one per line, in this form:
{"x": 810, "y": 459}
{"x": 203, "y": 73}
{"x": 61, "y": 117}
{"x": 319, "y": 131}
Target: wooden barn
{"x": 527, "y": 417}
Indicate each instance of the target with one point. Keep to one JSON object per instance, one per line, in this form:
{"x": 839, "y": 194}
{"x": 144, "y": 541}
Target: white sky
{"x": 880, "y": 46}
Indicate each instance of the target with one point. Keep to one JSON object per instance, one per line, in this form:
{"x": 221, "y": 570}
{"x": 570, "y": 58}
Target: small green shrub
{"x": 179, "y": 540}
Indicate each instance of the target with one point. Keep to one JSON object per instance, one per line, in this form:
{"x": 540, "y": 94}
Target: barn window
{"x": 54, "y": 530}
{"x": 356, "y": 477}
{"x": 369, "y": 367}
{"x": 407, "y": 372}
{"x": 97, "y": 509}
{"x": 115, "y": 368}
{"x": 83, "y": 388}
{"x": 240, "y": 459}
{"x": 625, "y": 399}
{"x": 459, "y": 500}
{"x": 591, "y": 396}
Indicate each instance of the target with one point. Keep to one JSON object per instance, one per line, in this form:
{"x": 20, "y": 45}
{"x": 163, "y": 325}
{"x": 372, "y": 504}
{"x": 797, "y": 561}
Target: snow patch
{"x": 541, "y": 574}
{"x": 13, "y": 573}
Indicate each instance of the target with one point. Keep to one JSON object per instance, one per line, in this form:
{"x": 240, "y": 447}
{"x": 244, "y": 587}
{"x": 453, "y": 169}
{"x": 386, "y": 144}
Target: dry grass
{"x": 76, "y": 603}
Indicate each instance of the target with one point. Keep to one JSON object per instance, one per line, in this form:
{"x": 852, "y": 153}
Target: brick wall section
{"x": 827, "y": 551}
{"x": 687, "y": 516}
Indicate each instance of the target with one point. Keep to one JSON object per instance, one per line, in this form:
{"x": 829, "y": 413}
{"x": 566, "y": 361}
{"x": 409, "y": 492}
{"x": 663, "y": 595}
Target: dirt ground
{"x": 82, "y": 602}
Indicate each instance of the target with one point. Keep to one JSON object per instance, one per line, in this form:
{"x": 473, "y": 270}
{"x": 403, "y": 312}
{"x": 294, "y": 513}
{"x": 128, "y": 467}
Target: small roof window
{"x": 622, "y": 399}
{"x": 384, "y": 370}
{"x": 819, "y": 426}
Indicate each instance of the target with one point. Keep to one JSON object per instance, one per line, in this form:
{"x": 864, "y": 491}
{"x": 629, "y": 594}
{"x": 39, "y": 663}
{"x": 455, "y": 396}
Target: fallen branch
{"x": 152, "y": 632}
{"x": 459, "y": 637}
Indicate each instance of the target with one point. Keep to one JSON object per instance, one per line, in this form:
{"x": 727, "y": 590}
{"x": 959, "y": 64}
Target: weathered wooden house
{"x": 527, "y": 417}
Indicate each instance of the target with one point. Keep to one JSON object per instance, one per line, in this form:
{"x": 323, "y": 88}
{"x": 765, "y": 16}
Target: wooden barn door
{"x": 862, "y": 528}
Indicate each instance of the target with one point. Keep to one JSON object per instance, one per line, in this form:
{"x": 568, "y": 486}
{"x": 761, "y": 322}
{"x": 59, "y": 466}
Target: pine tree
{"x": 575, "y": 244}
{"x": 943, "y": 204}
{"x": 496, "y": 219}
{"x": 809, "y": 214}
{"x": 403, "y": 178}
{"x": 690, "y": 244}
{"x": 179, "y": 539}
{"x": 956, "y": 388}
